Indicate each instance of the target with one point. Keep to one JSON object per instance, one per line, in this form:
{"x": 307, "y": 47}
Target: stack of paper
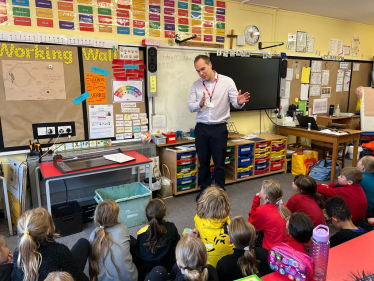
{"x": 119, "y": 157}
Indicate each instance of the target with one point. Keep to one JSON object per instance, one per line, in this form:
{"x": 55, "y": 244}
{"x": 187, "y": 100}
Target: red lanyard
{"x": 211, "y": 94}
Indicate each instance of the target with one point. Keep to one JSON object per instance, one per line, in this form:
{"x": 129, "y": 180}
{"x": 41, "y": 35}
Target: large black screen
{"x": 260, "y": 77}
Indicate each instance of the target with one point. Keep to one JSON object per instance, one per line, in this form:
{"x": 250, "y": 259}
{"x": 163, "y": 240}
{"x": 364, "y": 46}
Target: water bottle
{"x": 337, "y": 111}
{"x": 319, "y": 251}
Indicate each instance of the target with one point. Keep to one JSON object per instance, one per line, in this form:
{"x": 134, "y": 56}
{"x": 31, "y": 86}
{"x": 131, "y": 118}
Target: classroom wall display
{"x": 153, "y": 18}
{"x": 52, "y": 90}
{"x": 125, "y": 100}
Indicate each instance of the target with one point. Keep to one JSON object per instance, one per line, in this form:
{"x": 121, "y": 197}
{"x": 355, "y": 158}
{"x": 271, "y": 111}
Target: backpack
{"x": 290, "y": 263}
{"x": 322, "y": 170}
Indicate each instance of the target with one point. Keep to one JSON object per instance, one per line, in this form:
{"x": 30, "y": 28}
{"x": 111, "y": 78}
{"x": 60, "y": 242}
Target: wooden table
{"x": 353, "y": 135}
{"x": 356, "y": 255}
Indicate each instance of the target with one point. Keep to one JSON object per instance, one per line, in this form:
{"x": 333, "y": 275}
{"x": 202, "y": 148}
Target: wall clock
{"x": 252, "y": 34}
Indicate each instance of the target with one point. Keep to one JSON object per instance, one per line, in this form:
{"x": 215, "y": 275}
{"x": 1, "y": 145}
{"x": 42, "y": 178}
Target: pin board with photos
{"x": 116, "y": 107}
{"x": 325, "y": 83}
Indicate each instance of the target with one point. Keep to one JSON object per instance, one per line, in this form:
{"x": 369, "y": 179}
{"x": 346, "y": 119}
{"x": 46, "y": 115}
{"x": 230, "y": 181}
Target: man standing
{"x": 210, "y": 97}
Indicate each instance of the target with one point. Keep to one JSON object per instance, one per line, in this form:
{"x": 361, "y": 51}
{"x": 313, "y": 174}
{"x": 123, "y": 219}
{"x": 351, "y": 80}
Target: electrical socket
{"x": 51, "y": 130}
{"x": 42, "y": 131}
{"x": 65, "y": 129}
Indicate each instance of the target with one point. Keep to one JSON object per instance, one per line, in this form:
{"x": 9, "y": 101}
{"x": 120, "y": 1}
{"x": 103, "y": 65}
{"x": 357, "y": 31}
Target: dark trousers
{"x": 158, "y": 273}
{"x": 211, "y": 140}
{"x": 80, "y": 252}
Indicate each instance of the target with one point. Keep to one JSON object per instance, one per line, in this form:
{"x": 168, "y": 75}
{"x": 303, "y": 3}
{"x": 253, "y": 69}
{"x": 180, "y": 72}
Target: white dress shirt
{"x": 224, "y": 92}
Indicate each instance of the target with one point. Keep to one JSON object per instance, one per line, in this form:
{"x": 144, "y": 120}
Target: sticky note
{"x": 136, "y": 128}
{"x": 130, "y": 66}
{"x": 296, "y": 100}
{"x": 305, "y": 73}
{"x": 81, "y": 98}
{"x": 99, "y": 70}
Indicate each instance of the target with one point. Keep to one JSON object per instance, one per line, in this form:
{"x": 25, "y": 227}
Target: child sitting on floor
{"x": 349, "y": 188}
{"x": 6, "y": 261}
{"x": 246, "y": 259}
{"x": 340, "y": 217}
{"x": 211, "y": 220}
{"x": 366, "y": 165}
{"x": 306, "y": 199}
{"x": 300, "y": 228}
{"x": 271, "y": 216}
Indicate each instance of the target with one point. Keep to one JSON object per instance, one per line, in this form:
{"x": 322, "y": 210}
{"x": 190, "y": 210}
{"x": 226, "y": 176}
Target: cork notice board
{"x": 360, "y": 77}
{"x": 39, "y": 84}
{"x": 102, "y": 58}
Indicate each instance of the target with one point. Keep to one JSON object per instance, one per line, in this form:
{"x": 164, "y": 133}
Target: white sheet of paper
{"x": 344, "y": 65}
{"x": 284, "y": 103}
{"x": 325, "y": 92}
{"x": 310, "y": 44}
{"x": 316, "y": 66}
{"x": 304, "y": 91}
{"x": 339, "y": 88}
{"x": 119, "y": 157}
{"x": 287, "y": 89}
{"x": 101, "y": 121}
{"x": 316, "y": 78}
{"x": 315, "y": 90}
{"x": 325, "y": 77}
{"x": 289, "y": 74}
{"x": 356, "y": 66}
{"x": 291, "y": 45}
{"x": 335, "y": 47}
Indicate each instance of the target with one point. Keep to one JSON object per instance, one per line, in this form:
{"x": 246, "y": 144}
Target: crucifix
{"x": 231, "y": 36}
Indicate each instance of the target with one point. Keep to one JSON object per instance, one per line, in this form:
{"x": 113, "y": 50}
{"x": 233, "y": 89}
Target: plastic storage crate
{"x": 277, "y": 165}
{"x": 245, "y": 149}
{"x": 230, "y": 149}
{"x": 67, "y": 217}
{"x": 186, "y": 168}
{"x": 132, "y": 199}
{"x": 186, "y": 175}
{"x": 186, "y": 155}
{"x": 244, "y": 175}
{"x": 186, "y": 186}
{"x": 186, "y": 161}
{"x": 262, "y": 144}
{"x": 244, "y": 160}
{"x": 186, "y": 181}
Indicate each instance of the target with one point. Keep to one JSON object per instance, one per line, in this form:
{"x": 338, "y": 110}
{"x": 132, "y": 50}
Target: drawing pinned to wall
{"x": 127, "y": 91}
{"x": 3, "y": 13}
{"x": 291, "y": 44}
{"x": 355, "y": 45}
{"x": 128, "y": 53}
{"x": 346, "y": 50}
{"x": 33, "y": 80}
{"x": 101, "y": 121}
{"x": 301, "y": 41}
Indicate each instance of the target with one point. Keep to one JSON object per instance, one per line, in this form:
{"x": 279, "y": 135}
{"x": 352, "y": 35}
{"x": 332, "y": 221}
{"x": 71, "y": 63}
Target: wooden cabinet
{"x": 245, "y": 159}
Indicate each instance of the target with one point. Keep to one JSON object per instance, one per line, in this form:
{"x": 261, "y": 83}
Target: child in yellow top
{"x": 211, "y": 220}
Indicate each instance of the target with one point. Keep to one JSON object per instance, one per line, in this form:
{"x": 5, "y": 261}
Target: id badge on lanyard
{"x": 210, "y": 103}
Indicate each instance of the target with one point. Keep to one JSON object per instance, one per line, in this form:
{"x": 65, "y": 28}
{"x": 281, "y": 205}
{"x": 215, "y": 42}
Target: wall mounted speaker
{"x": 152, "y": 59}
{"x": 284, "y": 69}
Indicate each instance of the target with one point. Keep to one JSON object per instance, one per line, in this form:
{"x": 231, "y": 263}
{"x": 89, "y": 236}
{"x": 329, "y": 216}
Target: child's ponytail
{"x": 34, "y": 227}
{"x": 243, "y": 235}
{"x": 106, "y": 215}
{"x": 156, "y": 233}
{"x": 195, "y": 274}
{"x": 274, "y": 193}
{"x": 308, "y": 186}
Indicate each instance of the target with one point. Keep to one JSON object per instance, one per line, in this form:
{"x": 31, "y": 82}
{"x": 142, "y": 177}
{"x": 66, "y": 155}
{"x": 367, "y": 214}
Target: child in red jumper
{"x": 270, "y": 217}
{"x": 306, "y": 199}
{"x": 300, "y": 228}
{"x": 349, "y": 188}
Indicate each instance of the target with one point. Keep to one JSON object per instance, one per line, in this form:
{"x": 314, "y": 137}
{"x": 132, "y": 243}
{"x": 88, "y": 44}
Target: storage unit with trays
{"x": 183, "y": 168}
{"x": 278, "y": 154}
{"x": 245, "y": 159}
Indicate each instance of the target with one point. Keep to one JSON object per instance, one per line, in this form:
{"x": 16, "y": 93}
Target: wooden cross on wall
{"x": 231, "y": 36}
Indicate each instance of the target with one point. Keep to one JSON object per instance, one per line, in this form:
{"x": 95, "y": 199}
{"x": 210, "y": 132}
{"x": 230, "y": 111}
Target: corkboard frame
{"x": 296, "y": 83}
{"x": 107, "y": 65}
{"x": 17, "y": 117}
{"x": 359, "y": 78}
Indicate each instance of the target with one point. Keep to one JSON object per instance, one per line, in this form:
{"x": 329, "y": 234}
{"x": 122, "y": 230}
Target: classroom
{"x": 143, "y": 129}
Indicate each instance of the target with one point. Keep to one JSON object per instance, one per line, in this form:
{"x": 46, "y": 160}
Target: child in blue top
{"x": 366, "y": 165}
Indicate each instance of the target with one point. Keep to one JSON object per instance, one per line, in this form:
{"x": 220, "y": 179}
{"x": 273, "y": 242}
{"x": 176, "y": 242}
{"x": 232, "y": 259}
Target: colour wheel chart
{"x": 127, "y": 91}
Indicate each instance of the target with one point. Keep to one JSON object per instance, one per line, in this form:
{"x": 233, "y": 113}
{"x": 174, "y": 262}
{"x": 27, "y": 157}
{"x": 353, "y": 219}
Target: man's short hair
{"x": 353, "y": 174}
{"x": 204, "y": 57}
{"x": 336, "y": 207}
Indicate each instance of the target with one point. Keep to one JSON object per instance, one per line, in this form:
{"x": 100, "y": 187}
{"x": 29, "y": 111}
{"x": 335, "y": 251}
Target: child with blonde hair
{"x": 38, "y": 253}
{"x": 59, "y": 276}
{"x": 110, "y": 257}
{"x": 246, "y": 259}
{"x": 191, "y": 263}
{"x": 211, "y": 220}
{"x": 6, "y": 261}
{"x": 366, "y": 165}
{"x": 157, "y": 241}
{"x": 306, "y": 199}
{"x": 271, "y": 216}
